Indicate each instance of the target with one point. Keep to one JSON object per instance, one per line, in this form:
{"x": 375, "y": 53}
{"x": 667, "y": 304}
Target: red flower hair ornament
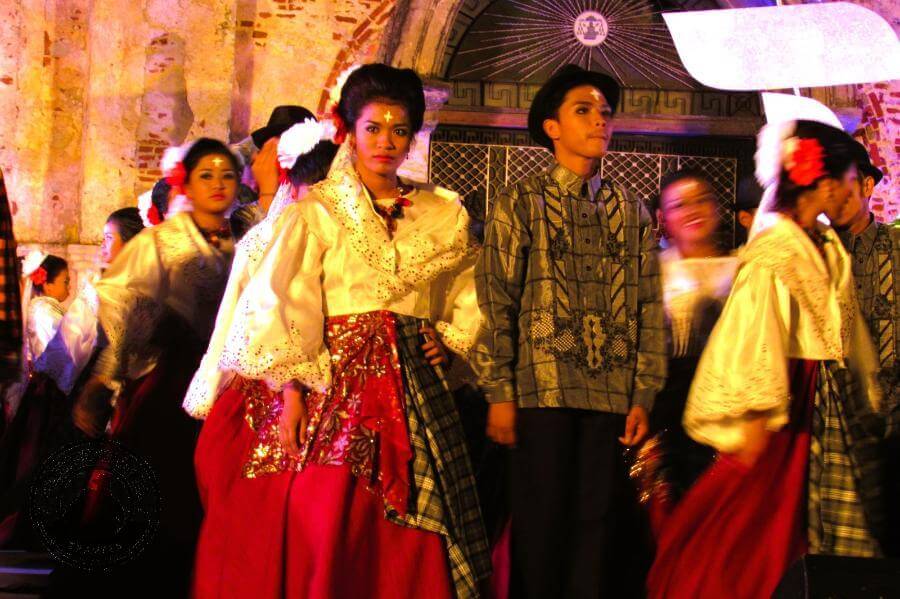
{"x": 804, "y": 161}
{"x": 39, "y": 277}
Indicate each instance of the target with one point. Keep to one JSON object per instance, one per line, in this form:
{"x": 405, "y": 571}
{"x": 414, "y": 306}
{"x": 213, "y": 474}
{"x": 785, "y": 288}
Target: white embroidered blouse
{"x": 166, "y": 270}
{"x": 44, "y": 316}
{"x": 694, "y": 290}
{"x": 330, "y": 254}
{"x": 72, "y": 347}
{"x": 787, "y": 302}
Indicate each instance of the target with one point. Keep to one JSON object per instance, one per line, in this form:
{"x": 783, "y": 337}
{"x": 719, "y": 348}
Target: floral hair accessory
{"x": 172, "y": 166}
{"x": 334, "y": 99}
{"x": 147, "y": 209}
{"x": 301, "y": 138}
{"x": 39, "y": 277}
{"x": 32, "y": 262}
{"x": 803, "y": 160}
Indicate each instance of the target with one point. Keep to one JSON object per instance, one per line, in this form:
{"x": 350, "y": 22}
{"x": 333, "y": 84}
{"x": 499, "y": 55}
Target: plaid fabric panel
{"x": 10, "y": 299}
{"x": 443, "y": 494}
{"x": 572, "y": 312}
{"x": 844, "y": 470}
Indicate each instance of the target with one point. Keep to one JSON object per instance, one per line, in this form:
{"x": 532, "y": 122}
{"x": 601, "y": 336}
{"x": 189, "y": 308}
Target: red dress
{"x": 737, "y": 530}
{"x": 316, "y": 530}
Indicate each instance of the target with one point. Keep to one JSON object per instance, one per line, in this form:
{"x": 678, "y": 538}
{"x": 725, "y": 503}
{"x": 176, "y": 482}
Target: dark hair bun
{"x": 380, "y": 82}
{"x": 837, "y": 157}
{"x": 128, "y": 221}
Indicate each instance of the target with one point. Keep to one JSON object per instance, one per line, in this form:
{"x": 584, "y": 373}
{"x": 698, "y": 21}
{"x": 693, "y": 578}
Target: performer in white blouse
{"x": 28, "y": 408}
{"x": 158, "y": 301}
{"x": 70, "y": 350}
{"x": 788, "y": 376}
{"x": 697, "y": 273}
{"x": 44, "y": 422}
{"x": 46, "y": 287}
{"x": 332, "y": 462}
{"x": 49, "y": 286}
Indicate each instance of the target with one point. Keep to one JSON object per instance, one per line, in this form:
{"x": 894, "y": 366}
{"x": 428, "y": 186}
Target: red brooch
{"x": 39, "y": 277}
{"x": 393, "y": 212}
{"x": 804, "y": 162}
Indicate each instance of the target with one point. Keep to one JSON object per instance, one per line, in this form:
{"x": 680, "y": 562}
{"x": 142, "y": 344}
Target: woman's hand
{"x": 434, "y": 350}
{"x": 293, "y": 422}
{"x": 756, "y": 439}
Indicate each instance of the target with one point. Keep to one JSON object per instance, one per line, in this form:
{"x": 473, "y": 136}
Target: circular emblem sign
{"x": 95, "y": 505}
{"x": 591, "y": 28}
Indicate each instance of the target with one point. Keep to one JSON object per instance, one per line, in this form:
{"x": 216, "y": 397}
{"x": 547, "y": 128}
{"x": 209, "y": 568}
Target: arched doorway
{"x": 492, "y": 55}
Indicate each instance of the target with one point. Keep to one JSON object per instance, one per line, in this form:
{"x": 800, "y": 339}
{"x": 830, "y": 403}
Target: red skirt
{"x": 149, "y": 421}
{"x": 738, "y": 529}
{"x": 318, "y": 533}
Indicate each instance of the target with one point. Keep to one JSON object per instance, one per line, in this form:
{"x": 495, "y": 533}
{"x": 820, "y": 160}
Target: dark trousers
{"x": 577, "y": 529}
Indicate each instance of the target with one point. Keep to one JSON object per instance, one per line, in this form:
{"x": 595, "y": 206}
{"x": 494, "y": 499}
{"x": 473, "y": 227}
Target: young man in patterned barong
{"x": 875, "y": 250}
{"x": 571, "y": 350}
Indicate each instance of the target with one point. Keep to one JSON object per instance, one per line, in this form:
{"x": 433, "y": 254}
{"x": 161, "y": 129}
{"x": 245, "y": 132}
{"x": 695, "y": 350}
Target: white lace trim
{"x": 458, "y": 341}
{"x": 424, "y": 257}
{"x": 786, "y": 251}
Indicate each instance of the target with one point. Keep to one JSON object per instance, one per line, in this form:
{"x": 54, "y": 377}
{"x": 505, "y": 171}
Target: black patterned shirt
{"x": 569, "y": 289}
{"x": 876, "y": 267}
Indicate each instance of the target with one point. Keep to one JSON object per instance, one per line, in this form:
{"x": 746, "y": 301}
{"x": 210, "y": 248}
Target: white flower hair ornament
{"x": 32, "y": 262}
{"x": 334, "y": 98}
{"x": 771, "y": 142}
{"x": 149, "y": 214}
{"x": 301, "y": 138}
{"x": 172, "y": 166}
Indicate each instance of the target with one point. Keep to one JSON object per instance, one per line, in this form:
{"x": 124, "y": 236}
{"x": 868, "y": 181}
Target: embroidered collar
{"x": 434, "y": 243}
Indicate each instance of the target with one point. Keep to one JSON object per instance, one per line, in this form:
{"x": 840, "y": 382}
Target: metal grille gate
{"x": 477, "y": 171}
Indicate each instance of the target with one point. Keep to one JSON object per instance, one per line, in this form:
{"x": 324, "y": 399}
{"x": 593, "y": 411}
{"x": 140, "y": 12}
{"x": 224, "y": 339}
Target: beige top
{"x": 330, "y": 254}
{"x": 787, "y": 302}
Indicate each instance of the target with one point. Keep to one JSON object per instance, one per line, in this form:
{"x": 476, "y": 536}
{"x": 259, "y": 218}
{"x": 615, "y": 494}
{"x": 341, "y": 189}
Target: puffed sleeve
{"x": 130, "y": 296}
{"x": 459, "y": 317}
{"x": 744, "y": 367}
{"x": 43, "y": 322}
{"x": 70, "y": 350}
{"x": 270, "y": 325}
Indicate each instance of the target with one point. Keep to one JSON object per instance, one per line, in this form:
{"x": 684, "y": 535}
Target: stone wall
{"x": 93, "y": 91}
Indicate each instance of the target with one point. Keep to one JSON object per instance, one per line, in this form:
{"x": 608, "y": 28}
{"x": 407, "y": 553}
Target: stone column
{"x": 42, "y": 92}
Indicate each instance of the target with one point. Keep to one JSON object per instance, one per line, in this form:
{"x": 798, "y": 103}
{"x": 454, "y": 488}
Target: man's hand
{"x": 501, "y": 423}
{"x": 265, "y": 172}
{"x": 434, "y": 350}
{"x": 637, "y": 424}
{"x": 93, "y": 408}
{"x": 293, "y": 421}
